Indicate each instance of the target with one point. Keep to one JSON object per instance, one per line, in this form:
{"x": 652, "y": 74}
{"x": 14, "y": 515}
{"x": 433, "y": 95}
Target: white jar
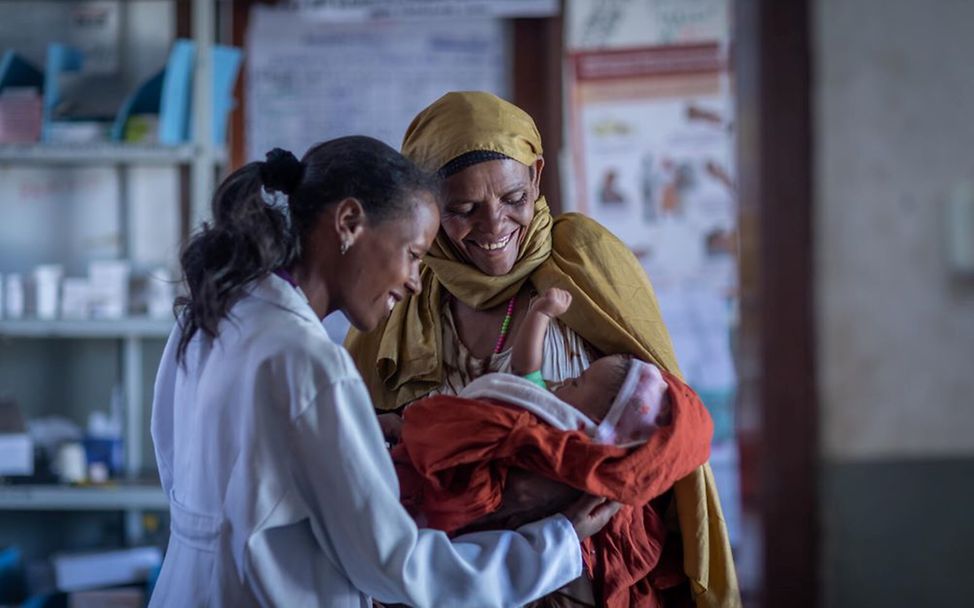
{"x": 13, "y": 296}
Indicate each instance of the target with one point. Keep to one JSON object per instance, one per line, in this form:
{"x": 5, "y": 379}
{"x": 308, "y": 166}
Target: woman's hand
{"x": 589, "y": 514}
{"x": 554, "y": 302}
{"x": 391, "y": 425}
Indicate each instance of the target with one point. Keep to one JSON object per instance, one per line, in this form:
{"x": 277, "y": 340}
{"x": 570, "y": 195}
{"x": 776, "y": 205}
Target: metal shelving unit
{"x": 201, "y": 157}
{"x": 145, "y": 496}
{"x": 132, "y": 327}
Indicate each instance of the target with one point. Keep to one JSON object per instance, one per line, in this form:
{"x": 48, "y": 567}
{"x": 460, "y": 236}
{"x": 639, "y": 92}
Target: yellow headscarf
{"x": 613, "y": 308}
{"x": 467, "y": 121}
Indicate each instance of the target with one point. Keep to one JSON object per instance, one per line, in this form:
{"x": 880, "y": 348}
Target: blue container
{"x": 13, "y": 583}
{"x": 108, "y": 451}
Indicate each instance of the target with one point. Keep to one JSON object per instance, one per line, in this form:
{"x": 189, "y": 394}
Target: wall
{"x": 893, "y": 137}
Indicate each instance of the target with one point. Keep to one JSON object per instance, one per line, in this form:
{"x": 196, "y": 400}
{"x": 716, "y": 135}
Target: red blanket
{"x": 455, "y": 455}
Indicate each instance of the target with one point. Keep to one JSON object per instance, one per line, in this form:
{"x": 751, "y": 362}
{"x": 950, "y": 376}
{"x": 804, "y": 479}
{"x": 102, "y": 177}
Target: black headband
{"x": 468, "y": 159}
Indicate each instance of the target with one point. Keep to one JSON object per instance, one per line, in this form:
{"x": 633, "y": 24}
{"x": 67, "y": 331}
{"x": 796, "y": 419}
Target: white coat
{"x": 282, "y": 492}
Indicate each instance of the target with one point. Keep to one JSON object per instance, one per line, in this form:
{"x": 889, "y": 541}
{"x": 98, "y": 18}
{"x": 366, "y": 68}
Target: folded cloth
{"x": 639, "y": 406}
{"x": 455, "y": 454}
{"x": 525, "y": 394}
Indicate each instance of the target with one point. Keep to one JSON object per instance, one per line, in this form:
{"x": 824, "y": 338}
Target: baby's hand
{"x": 553, "y": 302}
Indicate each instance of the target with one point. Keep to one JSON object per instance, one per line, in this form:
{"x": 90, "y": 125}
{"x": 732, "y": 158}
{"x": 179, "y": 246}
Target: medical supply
{"x": 75, "y": 296}
{"x": 97, "y": 472}
{"x": 71, "y": 463}
{"x": 13, "y": 296}
{"x": 103, "y": 439}
{"x": 109, "y": 288}
{"x": 47, "y": 282}
{"x": 159, "y": 293}
{"x": 16, "y": 447}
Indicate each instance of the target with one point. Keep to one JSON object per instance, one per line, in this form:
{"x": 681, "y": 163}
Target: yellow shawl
{"x": 614, "y": 308}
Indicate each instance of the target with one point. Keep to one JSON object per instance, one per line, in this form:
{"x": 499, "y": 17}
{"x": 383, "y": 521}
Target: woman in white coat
{"x": 264, "y": 433}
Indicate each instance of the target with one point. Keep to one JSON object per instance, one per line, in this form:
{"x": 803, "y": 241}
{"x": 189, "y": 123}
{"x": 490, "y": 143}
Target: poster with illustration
{"x": 653, "y": 159}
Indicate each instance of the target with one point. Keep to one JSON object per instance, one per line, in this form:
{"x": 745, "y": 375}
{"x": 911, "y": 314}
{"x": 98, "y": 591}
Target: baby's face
{"x": 592, "y": 392}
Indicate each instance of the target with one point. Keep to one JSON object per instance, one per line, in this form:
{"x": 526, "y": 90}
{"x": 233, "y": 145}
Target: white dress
{"x": 281, "y": 491}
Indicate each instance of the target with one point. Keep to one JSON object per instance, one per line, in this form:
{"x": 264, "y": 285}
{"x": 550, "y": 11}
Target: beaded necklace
{"x": 505, "y": 325}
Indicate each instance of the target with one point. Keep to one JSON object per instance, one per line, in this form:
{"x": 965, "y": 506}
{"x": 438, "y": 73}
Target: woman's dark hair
{"x": 264, "y": 211}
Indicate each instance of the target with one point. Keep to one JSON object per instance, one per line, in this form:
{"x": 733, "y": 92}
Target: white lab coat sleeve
{"x": 163, "y": 405}
{"x": 354, "y": 495}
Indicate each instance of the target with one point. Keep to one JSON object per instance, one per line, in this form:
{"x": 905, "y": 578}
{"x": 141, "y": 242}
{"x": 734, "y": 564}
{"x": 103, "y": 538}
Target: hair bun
{"x": 281, "y": 171}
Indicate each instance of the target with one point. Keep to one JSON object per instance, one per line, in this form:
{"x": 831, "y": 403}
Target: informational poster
{"x": 310, "y": 80}
{"x": 398, "y": 9}
{"x": 603, "y": 24}
{"x": 653, "y": 161}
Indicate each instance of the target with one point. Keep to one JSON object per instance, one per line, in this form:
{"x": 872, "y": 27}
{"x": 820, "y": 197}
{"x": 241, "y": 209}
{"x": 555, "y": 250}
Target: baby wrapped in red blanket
{"x": 624, "y": 430}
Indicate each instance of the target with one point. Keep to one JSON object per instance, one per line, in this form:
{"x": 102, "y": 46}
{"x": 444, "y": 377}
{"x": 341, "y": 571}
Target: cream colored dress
{"x": 566, "y": 355}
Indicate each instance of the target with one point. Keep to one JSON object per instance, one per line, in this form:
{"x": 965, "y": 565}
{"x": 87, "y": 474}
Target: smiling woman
{"x": 499, "y": 246}
{"x": 382, "y": 265}
{"x": 348, "y": 224}
{"x": 489, "y": 207}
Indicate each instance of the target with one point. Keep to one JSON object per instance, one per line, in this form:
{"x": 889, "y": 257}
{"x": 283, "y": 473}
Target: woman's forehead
{"x": 497, "y": 176}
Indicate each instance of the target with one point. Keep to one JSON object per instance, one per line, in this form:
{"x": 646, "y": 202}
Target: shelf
{"x": 133, "y": 327}
{"x": 89, "y": 498}
{"x": 101, "y": 153}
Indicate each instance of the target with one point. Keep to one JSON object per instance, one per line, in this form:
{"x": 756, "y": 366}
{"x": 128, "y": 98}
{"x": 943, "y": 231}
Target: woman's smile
{"x": 394, "y": 298}
{"x": 494, "y": 245}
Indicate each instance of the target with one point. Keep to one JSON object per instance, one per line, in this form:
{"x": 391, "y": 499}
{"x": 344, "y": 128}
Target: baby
{"x": 592, "y": 392}
{"x": 618, "y": 400}
{"x": 623, "y": 396}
